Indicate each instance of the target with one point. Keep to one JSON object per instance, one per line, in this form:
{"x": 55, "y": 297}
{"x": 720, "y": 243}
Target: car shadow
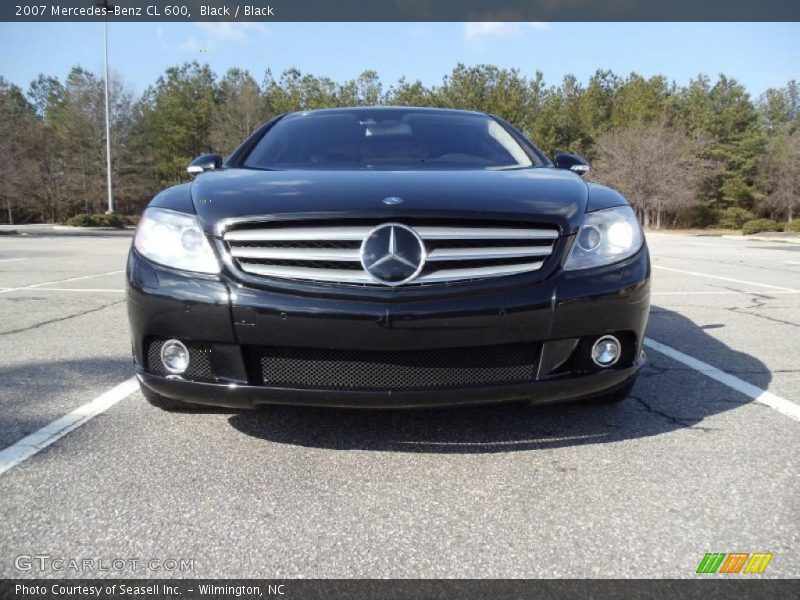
{"x": 33, "y": 394}
{"x": 667, "y": 397}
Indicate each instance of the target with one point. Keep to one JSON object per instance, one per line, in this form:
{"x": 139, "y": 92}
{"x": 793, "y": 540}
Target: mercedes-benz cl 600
{"x": 387, "y": 257}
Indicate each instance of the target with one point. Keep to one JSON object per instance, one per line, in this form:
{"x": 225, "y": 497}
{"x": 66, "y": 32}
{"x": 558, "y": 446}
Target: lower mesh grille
{"x": 443, "y": 368}
{"x": 199, "y": 360}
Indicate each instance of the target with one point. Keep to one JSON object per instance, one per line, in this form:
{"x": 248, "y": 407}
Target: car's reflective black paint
{"x": 555, "y": 309}
{"x": 560, "y": 196}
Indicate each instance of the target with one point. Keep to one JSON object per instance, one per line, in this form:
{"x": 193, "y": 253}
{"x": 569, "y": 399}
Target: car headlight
{"x": 174, "y": 240}
{"x": 605, "y": 237}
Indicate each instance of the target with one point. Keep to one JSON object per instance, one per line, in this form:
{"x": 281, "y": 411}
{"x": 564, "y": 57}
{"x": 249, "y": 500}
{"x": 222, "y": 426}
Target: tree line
{"x": 704, "y": 154}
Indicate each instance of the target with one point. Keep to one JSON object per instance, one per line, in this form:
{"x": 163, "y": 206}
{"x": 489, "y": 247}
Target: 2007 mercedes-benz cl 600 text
{"x": 387, "y": 257}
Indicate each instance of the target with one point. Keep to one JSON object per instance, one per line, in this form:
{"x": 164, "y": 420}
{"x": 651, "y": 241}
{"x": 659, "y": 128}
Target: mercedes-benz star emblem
{"x": 393, "y": 254}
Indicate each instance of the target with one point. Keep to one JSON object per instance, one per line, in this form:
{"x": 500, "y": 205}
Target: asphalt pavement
{"x": 701, "y": 458}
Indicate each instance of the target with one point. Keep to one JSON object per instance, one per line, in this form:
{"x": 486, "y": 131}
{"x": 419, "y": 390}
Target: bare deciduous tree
{"x": 654, "y": 167}
{"x": 18, "y": 169}
{"x": 780, "y": 175}
{"x": 240, "y": 111}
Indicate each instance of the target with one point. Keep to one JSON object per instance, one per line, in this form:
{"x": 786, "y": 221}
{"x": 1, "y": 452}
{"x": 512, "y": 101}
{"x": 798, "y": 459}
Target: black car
{"x": 387, "y": 257}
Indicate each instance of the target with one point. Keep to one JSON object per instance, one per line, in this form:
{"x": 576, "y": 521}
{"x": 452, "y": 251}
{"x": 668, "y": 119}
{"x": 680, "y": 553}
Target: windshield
{"x": 387, "y": 139}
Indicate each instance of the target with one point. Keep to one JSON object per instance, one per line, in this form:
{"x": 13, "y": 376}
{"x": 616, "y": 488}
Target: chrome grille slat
{"x": 309, "y": 273}
{"x": 298, "y": 233}
{"x": 357, "y": 233}
{"x": 488, "y": 253}
{"x": 282, "y": 250}
{"x": 484, "y": 233}
{"x": 317, "y": 254}
{"x": 477, "y": 272}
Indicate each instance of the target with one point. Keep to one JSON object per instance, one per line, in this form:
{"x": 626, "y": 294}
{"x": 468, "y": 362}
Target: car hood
{"x": 544, "y": 195}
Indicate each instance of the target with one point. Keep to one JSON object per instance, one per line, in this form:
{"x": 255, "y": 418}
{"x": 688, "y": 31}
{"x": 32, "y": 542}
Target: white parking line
{"x": 782, "y": 405}
{"x": 764, "y": 285}
{"x": 46, "y": 283}
{"x": 38, "y": 440}
{"x": 700, "y": 293}
{"x": 64, "y": 290}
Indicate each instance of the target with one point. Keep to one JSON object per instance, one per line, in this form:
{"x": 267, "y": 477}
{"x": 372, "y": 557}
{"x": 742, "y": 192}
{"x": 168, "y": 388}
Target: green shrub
{"x": 760, "y": 226}
{"x": 82, "y": 220}
{"x": 793, "y": 226}
{"x": 130, "y": 220}
{"x": 735, "y": 218}
{"x": 105, "y": 220}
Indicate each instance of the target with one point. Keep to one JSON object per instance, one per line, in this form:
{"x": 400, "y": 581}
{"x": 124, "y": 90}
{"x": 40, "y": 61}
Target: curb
{"x": 764, "y": 238}
{"x": 98, "y": 228}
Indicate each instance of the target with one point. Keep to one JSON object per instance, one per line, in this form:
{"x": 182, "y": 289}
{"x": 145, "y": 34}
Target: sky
{"x": 759, "y": 55}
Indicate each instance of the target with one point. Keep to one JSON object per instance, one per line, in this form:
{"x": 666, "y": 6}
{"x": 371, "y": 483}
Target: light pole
{"x": 108, "y": 7}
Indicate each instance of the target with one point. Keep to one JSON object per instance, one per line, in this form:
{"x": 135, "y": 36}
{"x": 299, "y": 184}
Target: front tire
{"x": 163, "y": 402}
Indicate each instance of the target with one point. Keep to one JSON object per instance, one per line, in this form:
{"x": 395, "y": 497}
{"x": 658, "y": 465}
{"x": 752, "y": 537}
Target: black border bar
{"x": 401, "y": 10}
{"x": 741, "y": 587}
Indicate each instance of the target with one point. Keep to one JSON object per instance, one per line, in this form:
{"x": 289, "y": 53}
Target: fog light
{"x": 175, "y": 356}
{"x": 606, "y": 351}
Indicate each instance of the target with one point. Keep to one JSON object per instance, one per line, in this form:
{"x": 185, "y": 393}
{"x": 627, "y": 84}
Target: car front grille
{"x": 330, "y": 252}
{"x": 433, "y": 369}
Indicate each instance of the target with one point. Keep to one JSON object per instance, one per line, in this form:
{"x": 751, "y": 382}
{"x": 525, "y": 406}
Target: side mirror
{"x": 204, "y": 162}
{"x": 571, "y": 162}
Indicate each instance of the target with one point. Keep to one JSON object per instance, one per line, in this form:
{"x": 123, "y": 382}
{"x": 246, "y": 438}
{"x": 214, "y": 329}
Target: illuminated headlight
{"x": 174, "y": 240}
{"x": 605, "y": 237}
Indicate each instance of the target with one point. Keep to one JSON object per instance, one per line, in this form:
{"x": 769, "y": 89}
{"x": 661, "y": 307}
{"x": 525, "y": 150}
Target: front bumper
{"x": 557, "y": 316}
